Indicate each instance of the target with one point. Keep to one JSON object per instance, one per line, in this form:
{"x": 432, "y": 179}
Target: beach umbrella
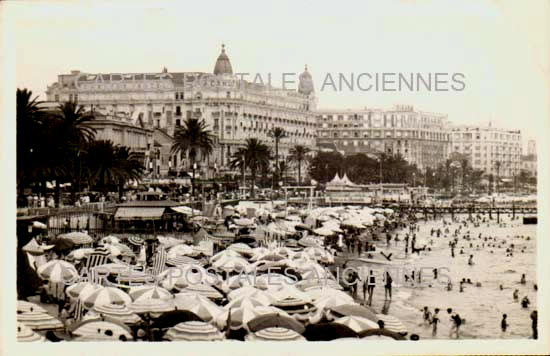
{"x": 354, "y": 310}
{"x": 203, "y": 290}
{"x": 136, "y": 240}
{"x": 241, "y": 248}
{"x": 63, "y": 245}
{"x": 39, "y": 225}
{"x": 240, "y": 316}
{"x": 274, "y": 334}
{"x": 224, "y": 254}
{"x": 110, "y": 240}
{"x": 328, "y": 332}
{"x": 194, "y": 331}
{"x": 105, "y": 296}
{"x": 135, "y": 277}
{"x": 272, "y": 281}
{"x": 113, "y": 268}
{"x": 152, "y": 305}
{"x": 230, "y": 264}
{"x": 246, "y": 302}
{"x": 77, "y": 237}
{"x": 58, "y": 271}
{"x": 316, "y": 283}
{"x": 81, "y": 289}
{"x": 248, "y": 291}
{"x": 181, "y": 260}
{"x": 101, "y": 329}
{"x": 290, "y": 292}
{"x": 357, "y": 323}
{"x": 380, "y": 334}
{"x": 392, "y": 323}
{"x": 149, "y": 292}
{"x": 275, "y": 320}
{"x": 36, "y": 249}
{"x": 80, "y": 253}
{"x": 171, "y": 318}
{"x": 25, "y": 334}
{"x": 180, "y": 250}
{"x": 37, "y": 320}
{"x": 168, "y": 242}
{"x": 309, "y": 241}
{"x": 326, "y": 292}
{"x": 118, "y": 312}
{"x": 197, "y": 304}
{"x": 182, "y": 276}
{"x": 332, "y": 301}
{"x": 25, "y": 307}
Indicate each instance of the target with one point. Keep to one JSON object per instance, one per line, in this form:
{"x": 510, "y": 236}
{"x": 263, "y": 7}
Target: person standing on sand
{"x": 370, "y": 287}
{"x": 534, "y": 320}
{"x": 434, "y": 321}
{"x": 504, "y": 323}
{"x": 387, "y": 285}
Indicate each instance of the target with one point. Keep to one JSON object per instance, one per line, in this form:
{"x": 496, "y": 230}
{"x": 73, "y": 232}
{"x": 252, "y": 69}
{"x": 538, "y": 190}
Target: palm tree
{"x": 30, "y": 129}
{"x": 254, "y": 156}
{"x": 277, "y": 134}
{"x": 193, "y": 138}
{"x": 72, "y": 126}
{"x": 104, "y": 165}
{"x": 131, "y": 167}
{"x": 298, "y": 154}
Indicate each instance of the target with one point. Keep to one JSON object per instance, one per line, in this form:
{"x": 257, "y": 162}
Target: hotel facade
{"x": 422, "y": 138}
{"x": 493, "y": 150}
{"x": 233, "y": 109}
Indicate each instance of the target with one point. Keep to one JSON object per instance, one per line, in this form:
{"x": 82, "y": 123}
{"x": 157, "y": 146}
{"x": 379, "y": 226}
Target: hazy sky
{"x": 501, "y": 47}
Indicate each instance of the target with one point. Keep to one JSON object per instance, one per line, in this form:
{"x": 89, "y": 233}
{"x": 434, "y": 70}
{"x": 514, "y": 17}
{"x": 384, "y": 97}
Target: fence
{"x": 86, "y": 208}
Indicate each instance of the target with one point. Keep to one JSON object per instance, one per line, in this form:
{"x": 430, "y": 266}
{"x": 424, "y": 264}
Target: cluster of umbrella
{"x": 243, "y": 292}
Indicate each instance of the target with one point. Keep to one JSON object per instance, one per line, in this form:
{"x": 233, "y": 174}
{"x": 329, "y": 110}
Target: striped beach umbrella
{"x": 100, "y": 329}
{"x": 357, "y": 323}
{"x": 201, "y": 306}
{"x": 24, "y": 307}
{"x": 58, "y": 271}
{"x": 331, "y": 301}
{"x": 149, "y": 292}
{"x": 194, "y": 331}
{"x": 274, "y": 334}
{"x": 248, "y": 302}
{"x": 135, "y": 277}
{"x": 81, "y": 289}
{"x": 181, "y": 260}
{"x": 152, "y": 305}
{"x": 118, "y": 312}
{"x": 105, "y": 296}
{"x": 136, "y": 240}
{"x": 25, "y": 334}
{"x": 251, "y": 293}
{"x": 40, "y": 321}
{"x": 78, "y": 238}
{"x": 240, "y": 316}
{"x": 392, "y": 323}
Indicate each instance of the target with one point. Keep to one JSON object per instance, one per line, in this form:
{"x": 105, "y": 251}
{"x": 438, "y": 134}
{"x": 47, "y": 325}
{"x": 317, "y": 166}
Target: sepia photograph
{"x": 350, "y": 177}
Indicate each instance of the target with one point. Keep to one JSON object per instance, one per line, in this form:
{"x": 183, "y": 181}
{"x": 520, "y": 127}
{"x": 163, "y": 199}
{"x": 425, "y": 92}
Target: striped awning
{"x": 139, "y": 213}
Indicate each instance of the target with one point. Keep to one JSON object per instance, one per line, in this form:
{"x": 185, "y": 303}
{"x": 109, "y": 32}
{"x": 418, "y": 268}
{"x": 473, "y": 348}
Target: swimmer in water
{"x": 503, "y": 323}
{"x": 525, "y": 302}
{"x": 522, "y": 279}
{"x": 516, "y": 295}
{"x": 471, "y": 260}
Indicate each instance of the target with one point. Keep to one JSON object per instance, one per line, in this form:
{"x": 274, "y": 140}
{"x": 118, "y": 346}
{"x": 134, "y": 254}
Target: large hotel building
{"x": 151, "y": 105}
{"x": 492, "y": 150}
{"x": 421, "y": 138}
{"x": 234, "y": 109}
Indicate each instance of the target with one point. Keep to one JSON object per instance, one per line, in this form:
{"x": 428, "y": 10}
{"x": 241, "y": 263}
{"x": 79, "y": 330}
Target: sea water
{"x": 481, "y": 307}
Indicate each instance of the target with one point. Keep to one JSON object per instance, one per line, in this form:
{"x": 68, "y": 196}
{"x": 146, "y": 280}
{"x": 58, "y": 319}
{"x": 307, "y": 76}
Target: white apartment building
{"x": 493, "y": 150}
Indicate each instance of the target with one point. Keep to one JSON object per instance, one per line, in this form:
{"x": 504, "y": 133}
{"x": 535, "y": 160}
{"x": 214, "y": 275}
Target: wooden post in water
{"x": 498, "y": 215}
{"x": 470, "y": 212}
{"x": 435, "y": 215}
{"x": 513, "y": 211}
